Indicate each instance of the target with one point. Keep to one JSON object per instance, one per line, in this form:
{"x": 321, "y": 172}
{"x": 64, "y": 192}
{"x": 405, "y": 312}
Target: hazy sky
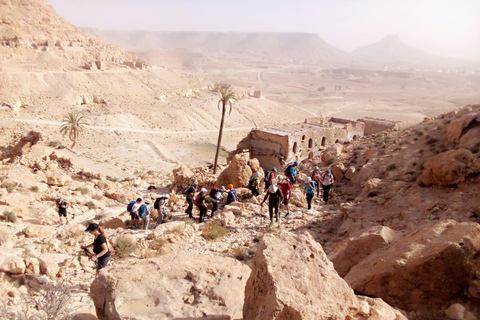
{"x": 442, "y": 27}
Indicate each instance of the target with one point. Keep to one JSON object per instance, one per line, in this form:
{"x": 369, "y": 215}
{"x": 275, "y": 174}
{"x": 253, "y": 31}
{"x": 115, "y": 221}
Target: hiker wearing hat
{"x": 232, "y": 194}
{"x": 190, "y": 192}
{"x": 275, "y": 198}
{"x": 159, "y": 205}
{"x": 291, "y": 172}
{"x": 316, "y": 177}
{"x": 254, "y": 184}
{"x": 327, "y": 181}
{"x": 62, "y": 210}
{"x": 269, "y": 177}
{"x": 200, "y": 203}
{"x": 309, "y": 191}
{"x": 216, "y": 198}
{"x": 144, "y": 213}
{"x": 101, "y": 254}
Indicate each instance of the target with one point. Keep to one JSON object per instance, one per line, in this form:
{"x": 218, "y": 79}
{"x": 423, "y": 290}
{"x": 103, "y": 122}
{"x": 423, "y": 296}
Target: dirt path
{"x": 157, "y": 132}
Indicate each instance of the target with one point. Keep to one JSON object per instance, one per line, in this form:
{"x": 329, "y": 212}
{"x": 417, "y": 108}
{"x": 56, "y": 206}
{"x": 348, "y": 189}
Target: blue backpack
{"x": 142, "y": 211}
{"x": 130, "y": 206}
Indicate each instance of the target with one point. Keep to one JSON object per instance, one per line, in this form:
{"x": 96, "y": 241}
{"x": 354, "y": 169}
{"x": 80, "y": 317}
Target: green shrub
{"x": 83, "y": 190}
{"x": 10, "y": 216}
{"x": 90, "y": 205}
{"x": 125, "y": 245}
{"x": 214, "y": 232}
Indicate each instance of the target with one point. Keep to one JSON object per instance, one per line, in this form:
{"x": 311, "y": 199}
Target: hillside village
{"x": 398, "y": 239}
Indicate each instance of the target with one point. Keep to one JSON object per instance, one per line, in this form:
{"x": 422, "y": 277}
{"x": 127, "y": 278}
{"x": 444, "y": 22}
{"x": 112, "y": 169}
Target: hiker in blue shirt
{"x": 310, "y": 192}
{"x": 291, "y": 172}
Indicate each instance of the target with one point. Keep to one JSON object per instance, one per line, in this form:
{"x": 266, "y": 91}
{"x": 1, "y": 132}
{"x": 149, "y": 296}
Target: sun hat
{"x": 296, "y": 163}
{"x": 147, "y": 201}
{"x": 222, "y": 188}
{"x": 203, "y": 190}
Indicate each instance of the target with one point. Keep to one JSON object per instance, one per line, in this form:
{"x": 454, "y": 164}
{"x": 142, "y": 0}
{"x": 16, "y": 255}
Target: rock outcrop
{"x": 466, "y": 130}
{"x": 171, "y": 287}
{"x": 292, "y": 279}
{"x": 449, "y": 168}
{"x": 423, "y": 271}
{"x": 238, "y": 172}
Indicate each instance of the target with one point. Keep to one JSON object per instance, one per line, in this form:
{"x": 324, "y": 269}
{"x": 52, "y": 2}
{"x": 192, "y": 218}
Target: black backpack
{"x": 267, "y": 176}
{"x": 251, "y": 183}
{"x": 156, "y": 205}
{"x": 213, "y": 192}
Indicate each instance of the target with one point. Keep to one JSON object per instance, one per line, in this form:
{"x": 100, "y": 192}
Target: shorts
{"x": 134, "y": 216}
{"x": 62, "y": 214}
{"x": 285, "y": 201}
{"x": 102, "y": 262}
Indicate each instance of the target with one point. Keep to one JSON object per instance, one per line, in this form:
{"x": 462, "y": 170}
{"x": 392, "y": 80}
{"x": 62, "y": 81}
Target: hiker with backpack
{"x": 254, "y": 184}
{"x": 327, "y": 181}
{"x": 132, "y": 208}
{"x": 286, "y": 188}
{"x": 159, "y": 205}
{"x": 190, "y": 192}
{"x": 310, "y": 192}
{"x": 201, "y": 205}
{"x": 144, "y": 213}
{"x": 217, "y": 196}
{"x": 275, "y": 198}
{"x": 316, "y": 177}
{"x": 231, "y": 194}
{"x": 62, "y": 210}
{"x": 101, "y": 253}
{"x": 291, "y": 172}
{"x": 269, "y": 177}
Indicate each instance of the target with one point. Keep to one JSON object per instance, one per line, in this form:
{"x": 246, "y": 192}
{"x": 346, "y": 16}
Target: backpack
{"x": 185, "y": 191}
{"x": 213, "y": 192}
{"x": 142, "y": 211}
{"x": 198, "y": 200}
{"x": 156, "y": 204}
{"x": 251, "y": 183}
{"x": 232, "y": 196}
{"x": 316, "y": 176}
{"x": 267, "y": 176}
{"x": 130, "y": 206}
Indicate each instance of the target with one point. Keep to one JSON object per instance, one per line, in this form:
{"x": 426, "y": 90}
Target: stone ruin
{"x": 374, "y": 125}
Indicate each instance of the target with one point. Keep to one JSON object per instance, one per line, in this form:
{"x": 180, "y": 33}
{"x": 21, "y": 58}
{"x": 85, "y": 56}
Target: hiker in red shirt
{"x": 286, "y": 187}
{"x": 316, "y": 177}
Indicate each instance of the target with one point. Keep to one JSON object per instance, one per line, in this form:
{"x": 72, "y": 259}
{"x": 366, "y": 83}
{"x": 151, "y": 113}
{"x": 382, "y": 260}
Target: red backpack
{"x": 198, "y": 200}
{"x": 213, "y": 192}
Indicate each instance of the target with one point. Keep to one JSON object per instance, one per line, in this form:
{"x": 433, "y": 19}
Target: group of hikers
{"x": 278, "y": 191}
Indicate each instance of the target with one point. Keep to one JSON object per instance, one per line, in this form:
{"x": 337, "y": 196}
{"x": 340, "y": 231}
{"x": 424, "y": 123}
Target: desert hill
{"x": 261, "y": 45}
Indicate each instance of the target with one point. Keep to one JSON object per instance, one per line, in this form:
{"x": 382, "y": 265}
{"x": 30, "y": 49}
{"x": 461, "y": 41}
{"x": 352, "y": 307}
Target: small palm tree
{"x": 73, "y": 126}
{"x": 226, "y": 97}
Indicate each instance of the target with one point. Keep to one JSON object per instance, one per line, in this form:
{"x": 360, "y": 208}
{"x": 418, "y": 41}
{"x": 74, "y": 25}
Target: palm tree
{"x": 73, "y": 125}
{"x": 226, "y": 97}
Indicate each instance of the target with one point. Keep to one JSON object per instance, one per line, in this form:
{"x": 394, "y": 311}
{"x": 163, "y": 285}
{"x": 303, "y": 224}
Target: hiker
{"x": 310, "y": 192}
{"x": 144, "y": 213}
{"x": 291, "y": 172}
{"x": 62, "y": 210}
{"x": 232, "y": 194}
{"x": 269, "y": 177}
{"x": 286, "y": 188}
{"x": 101, "y": 253}
{"x": 132, "y": 208}
{"x": 159, "y": 205}
{"x": 200, "y": 203}
{"x": 217, "y": 196}
{"x": 190, "y": 192}
{"x": 316, "y": 178}
{"x": 254, "y": 184}
{"x": 327, "y": 182}
{"x": 275, "y": 198}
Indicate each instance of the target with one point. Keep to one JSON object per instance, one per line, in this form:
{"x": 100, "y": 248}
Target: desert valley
{"x": 398, "y": 127}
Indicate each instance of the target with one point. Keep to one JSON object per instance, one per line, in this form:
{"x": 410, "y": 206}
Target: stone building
{"x": 374, "y": 125}
{"x": 279, "y": 145}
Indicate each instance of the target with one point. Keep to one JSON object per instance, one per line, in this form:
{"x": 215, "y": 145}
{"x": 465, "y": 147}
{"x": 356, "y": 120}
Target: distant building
{"x": 257, "y": 94}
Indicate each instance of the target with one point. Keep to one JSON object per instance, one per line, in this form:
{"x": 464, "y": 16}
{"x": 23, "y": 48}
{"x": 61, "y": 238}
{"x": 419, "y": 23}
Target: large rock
{"x": 171, "y": 287}
{"x": 38, "y": 231}
{"x": 292, "y": 279}
{"x": 332, "y": 153}
{"x": 13, "y": 265}
{"x": 466, "y": 130}
{"x": 183, "y": 176}
{"x": 122, "y": 196}
{"x": 170, "y": 227}
{"x": 238, "y": 172}
{"x": 423, "y": 271}
{"x": 50, "y": 263}
{"x": 351, "y": 251}
{"x": 449, "y": 168}
{"x": 57, "y": 178}
{"x": 338, "y": 171}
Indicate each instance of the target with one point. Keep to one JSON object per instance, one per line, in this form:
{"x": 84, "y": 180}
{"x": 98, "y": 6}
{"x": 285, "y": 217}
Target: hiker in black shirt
{"x": 62, "y": 210}
{"x": 190, "y": 192}
{"x": 101, "y": 253}
{"x": 275, "y": 198}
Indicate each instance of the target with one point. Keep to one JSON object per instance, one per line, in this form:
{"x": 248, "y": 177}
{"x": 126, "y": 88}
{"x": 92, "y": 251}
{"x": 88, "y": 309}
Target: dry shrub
{"x": 125, "y": 245}
{"x": 34, "y": 189}
{"x": 149, "y": 253}
{"x": 158, "y": 244}
{"x": 239, "y": 253}
{"x": 97, "y": 197}
{"x": 83, "y": 190}
{"x": 10, "y": 186}
{"x": 188, "y": 221}
{"x": 90, "y": 205}
{"x": 10, "y": 216}
{"x": 214, "y": 232}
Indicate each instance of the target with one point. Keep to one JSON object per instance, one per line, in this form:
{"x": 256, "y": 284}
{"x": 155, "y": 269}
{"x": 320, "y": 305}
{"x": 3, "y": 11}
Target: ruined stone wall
{"x": 270, "y": 149}
{"x": 373, "y": 125}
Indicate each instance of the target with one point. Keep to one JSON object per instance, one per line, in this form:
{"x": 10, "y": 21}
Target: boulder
{"x": 449, "y": 168}
{"x": 38, "y": 231}
{"x": 338, "y": 171}
{"x": 236, "y": 210}
{"x": 350, "y": 173}
{"x": 465, "y": 130}
{"x": 226, "y": 218}
{"x": 50, "y": 263}
{"x": 292, "y": 279}
{"x": 171, "y": 287}
{"x": 351, "y": 251}
{"x": 456, "y": 312}
{"x": 332, "y": 153}
{"x": 13, "y": 265}
{"x": 170, "y": 227}
{"x": 106, "y": 186}
{"x": 114, "y": 223}
{"x": 122, "y": 196}
{"x": 57, "y": 178}
{"x": 471, "y": 138}
{"x": 422, "y": 271}
{"x": 238, "y": 172}
{"x": 183, "y": 176}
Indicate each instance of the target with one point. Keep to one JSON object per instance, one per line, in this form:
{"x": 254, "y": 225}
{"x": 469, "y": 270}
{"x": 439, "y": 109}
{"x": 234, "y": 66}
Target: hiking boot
{"x": 287, "y": 215}
{"x": 272, "y": 224}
